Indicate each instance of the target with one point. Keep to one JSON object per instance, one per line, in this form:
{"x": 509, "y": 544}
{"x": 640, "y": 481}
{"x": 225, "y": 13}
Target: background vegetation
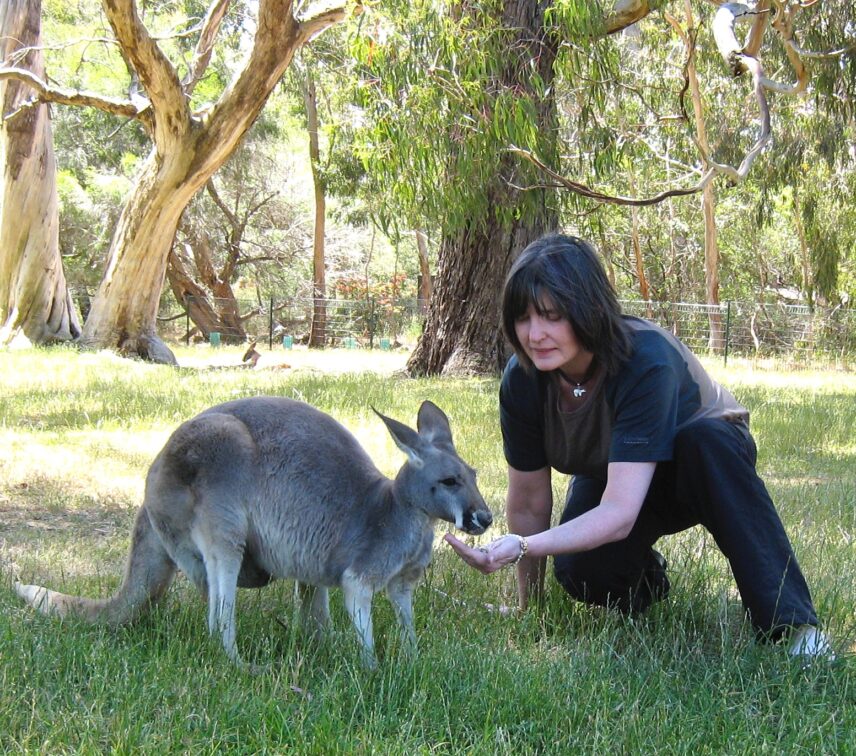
{"x": 78, "y": 432}
{"x": 389, "y": 121}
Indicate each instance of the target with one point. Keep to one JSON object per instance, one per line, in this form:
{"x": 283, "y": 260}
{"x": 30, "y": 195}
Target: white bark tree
{"x": 187, "y": 148}
{"x": 34, "y": 298}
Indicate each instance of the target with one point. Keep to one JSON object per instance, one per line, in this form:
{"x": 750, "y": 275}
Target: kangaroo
{"x": 268, "y": 487}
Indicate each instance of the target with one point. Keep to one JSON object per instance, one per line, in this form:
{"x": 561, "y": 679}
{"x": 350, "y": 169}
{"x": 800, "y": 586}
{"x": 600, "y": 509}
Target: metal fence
{"x": 791, "y": 336}
{"x": 351, "y": 323}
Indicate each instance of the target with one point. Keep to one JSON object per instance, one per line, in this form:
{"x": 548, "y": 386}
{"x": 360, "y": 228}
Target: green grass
{"x": 77, "y": 433}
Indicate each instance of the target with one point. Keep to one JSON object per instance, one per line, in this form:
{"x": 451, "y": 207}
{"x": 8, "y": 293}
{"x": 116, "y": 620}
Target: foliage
{"x": 415, "y": 120}
{"x": 440, "y": 100}
{"x": 686, "y": 678}
{"x": 435, "y": 121}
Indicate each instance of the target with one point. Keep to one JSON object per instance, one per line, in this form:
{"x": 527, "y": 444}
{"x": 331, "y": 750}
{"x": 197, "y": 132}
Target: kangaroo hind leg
{"x": 222, "y": 565}
{"x": 199, "y": 485}
{"x": 314, "y": 607}
{"x": 400, "y": 592}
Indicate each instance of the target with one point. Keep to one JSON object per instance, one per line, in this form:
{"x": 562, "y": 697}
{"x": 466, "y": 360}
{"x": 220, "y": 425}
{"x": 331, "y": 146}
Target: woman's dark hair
{"x": 566, "y": 272}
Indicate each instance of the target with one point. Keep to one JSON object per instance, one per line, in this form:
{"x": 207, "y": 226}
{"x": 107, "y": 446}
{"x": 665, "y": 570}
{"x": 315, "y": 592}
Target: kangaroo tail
{"x": 148, "y": 573}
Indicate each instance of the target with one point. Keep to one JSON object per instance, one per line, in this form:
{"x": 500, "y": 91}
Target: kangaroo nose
{"x": 480, "y": 521}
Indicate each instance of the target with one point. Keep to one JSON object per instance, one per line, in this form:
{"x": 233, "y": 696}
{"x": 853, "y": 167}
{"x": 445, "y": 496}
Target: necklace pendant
{"x": 579, "y": 391}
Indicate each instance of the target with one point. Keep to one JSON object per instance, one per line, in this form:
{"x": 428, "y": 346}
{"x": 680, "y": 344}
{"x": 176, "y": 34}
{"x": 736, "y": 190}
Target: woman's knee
{"x": 581, "y": 578}
{"x": 605, "y": 580}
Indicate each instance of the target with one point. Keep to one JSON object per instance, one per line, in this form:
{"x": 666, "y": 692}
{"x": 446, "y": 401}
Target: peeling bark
{"x": 187, "y": 149}
{"x": 34, "y": 298}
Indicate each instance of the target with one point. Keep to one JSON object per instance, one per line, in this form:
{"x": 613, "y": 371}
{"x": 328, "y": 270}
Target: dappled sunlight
{"x": 96, "y": 464}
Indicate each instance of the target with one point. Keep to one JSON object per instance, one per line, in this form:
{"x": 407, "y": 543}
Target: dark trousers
{"x": 711, "y": 481}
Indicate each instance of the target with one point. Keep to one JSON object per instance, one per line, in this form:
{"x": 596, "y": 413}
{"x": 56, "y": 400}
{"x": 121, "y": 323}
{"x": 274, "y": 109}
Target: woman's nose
{"x": 536, "y": 329}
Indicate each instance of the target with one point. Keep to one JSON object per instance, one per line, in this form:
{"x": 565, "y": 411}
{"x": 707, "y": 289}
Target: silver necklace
{"x": 577, "y": 387}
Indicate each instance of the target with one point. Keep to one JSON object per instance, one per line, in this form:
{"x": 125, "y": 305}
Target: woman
{"x": 655, "y": 446}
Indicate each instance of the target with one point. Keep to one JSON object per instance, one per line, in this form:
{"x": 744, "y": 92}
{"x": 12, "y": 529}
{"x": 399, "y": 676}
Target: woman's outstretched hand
{"x": 486, "y": 559}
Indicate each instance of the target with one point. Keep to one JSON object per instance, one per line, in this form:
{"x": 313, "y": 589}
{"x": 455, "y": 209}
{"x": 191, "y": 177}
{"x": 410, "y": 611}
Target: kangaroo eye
{"x": 449, "y": 482}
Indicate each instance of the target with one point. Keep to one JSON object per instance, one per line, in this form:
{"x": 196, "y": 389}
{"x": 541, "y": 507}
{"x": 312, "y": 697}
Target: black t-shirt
{"x": 632, "y": 416}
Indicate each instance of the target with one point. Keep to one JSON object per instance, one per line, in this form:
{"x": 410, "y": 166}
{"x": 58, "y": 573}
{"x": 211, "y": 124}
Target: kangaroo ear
{"x": 405, "y": 438}
{"x": 433, "y": 425}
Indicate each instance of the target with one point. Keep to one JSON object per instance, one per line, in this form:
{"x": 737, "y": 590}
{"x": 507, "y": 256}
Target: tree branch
{"x": 157, "y": 75}
{"x": 312, "y": 25}
{"x": 625, "y": 13}
{"x": 279, "y": 35}
{"x": 205, "y": 44}
{"x": 47, "y": 93}
{"x": 593, "y": 194}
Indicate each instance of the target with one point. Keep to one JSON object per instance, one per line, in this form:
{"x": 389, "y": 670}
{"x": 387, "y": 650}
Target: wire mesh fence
{"x": 790, "y": 335}
{"x": 368, "y": 323}
{"x": 785, "y": 335}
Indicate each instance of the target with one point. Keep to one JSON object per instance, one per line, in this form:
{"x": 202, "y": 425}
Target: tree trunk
{"x": 34, "y": 297}
{"x": 807, "y": 283}
{"x": 716, "y": 339}
{"x": 222, "y": 314}
{"x": 638, "y": 259}
{"x": 230, "y": 324}
{"x": 188, "y": 149}
{"x": 192, "y": 296}
{"x": 424, "y": 268}
{"x": 124, "y": 310}
{"x": 318, "y": 330}
{"x": 462, "y": 332}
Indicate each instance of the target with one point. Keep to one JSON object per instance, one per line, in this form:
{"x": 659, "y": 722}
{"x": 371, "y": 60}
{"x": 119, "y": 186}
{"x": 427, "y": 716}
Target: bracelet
{"x": 524, "y": 547}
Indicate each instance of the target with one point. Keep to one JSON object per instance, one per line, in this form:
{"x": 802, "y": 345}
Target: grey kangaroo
{"x": 267, "y": 487}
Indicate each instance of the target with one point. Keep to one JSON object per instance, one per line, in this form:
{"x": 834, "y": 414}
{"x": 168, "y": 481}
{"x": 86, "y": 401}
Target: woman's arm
{"x": 611, "y": 520}
{"x": 528, "y": 506}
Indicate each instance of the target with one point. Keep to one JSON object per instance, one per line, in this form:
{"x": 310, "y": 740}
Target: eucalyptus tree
{"x": 190, "y": 141}
{"x": 34, "y": 297}
{"x": 442, "y": 94}
{"x": 243, "y": 227}
{"x": 465, "y": 100}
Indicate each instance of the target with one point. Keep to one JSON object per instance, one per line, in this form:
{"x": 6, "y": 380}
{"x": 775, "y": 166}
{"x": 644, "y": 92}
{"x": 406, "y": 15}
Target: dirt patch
{"x": 27, "y": 516}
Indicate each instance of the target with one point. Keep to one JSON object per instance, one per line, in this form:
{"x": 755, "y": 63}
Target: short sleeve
{"x": 645, "y": 415}
{"x": 521, "y": 416}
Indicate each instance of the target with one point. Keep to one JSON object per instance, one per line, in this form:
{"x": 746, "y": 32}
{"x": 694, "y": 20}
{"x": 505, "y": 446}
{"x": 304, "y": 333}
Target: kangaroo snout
{"x": 476, "y": 521}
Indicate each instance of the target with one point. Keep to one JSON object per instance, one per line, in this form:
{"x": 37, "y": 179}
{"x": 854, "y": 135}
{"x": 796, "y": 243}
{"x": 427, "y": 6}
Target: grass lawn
{"x": 78, "y": 431}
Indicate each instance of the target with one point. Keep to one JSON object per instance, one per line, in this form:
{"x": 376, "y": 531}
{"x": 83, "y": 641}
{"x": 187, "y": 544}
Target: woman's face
{"x": 549, "y": 341}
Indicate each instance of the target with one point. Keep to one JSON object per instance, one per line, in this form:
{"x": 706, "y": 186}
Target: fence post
{"x": 270, "y": 325}
{"x": 372, "y": 324}
{"x": 727, "y": 331}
